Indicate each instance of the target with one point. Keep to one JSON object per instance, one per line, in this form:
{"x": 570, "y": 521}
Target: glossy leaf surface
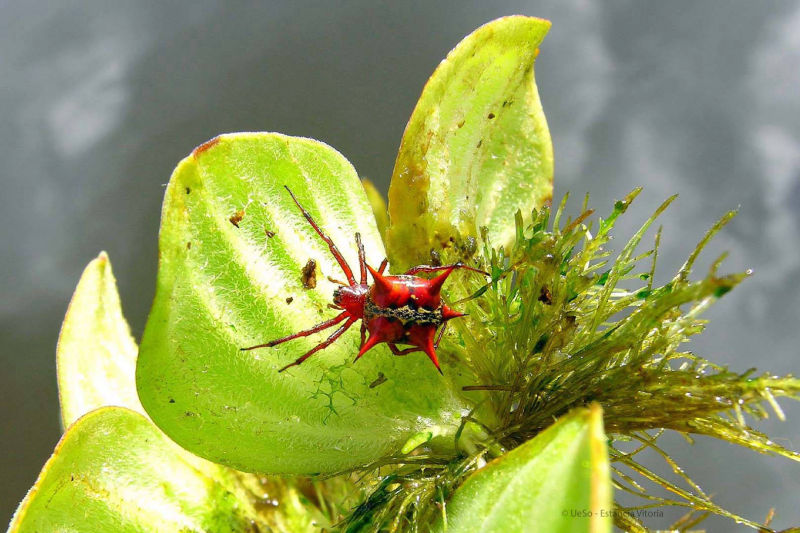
{"x": 557, "y": 482}
{"x": 232, "y": 247}
{"x": 114, "y": 471}
{"x": 476, "y": 148}
{"x": 96, "y": 355}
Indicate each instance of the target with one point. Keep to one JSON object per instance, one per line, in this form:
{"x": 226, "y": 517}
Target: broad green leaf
{"x": 114, "y": 471}
{"x": 476, "y": 148}
{"x": 96, "y": 360}
{"x": 96, "y": 355}
{"x": 232, "y": 247}
{"x": 557, "y": 482}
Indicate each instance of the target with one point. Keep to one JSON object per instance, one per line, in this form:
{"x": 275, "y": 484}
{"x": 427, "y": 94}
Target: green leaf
{"x": 223, "y": 286}
{"x": 476, "y": 148}
{"x": 114, "y": 471}
{"x": 96, "y": 355}
{"x": 96, "y": 361}
{"x": 557, "y": 482}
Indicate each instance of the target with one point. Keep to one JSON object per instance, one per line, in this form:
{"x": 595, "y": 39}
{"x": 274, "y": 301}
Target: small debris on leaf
{"x": 237, "y": 217}
{"x": 309, "y": 274}
{"x": 378, "y": 381}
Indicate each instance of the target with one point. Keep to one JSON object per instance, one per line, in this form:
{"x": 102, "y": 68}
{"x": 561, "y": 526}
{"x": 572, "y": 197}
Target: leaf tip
{"x": 102, "y": 259}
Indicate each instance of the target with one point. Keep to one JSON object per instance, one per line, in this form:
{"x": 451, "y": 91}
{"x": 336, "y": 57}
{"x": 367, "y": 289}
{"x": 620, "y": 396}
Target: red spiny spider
{"x": 404, "y": 309}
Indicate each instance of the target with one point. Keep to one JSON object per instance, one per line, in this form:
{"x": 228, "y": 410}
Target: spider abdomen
{"x": 399, "y": 291}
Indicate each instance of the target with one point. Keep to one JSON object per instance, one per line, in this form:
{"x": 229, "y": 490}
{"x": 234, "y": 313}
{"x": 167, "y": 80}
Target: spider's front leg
{"x": 305, "y": 333}
{"x": 331, "y": 246}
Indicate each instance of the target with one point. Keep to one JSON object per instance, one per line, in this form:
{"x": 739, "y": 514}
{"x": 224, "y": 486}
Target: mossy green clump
{"x": 562, "y": 325}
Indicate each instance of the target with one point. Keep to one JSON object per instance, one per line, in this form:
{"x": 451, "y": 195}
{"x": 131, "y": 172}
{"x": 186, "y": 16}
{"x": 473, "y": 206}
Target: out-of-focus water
{"x": 98, "y": 102}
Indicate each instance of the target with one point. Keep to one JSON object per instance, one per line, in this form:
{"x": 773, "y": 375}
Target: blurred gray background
{"x": 98, "y": 102}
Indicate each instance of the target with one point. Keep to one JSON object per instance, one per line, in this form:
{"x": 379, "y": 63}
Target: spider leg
{"x": 435, "y": 284}
{"x": 439, "y": 336}
{"x": 362, "y": 259}
{"x": 397, "y": 351}
{"x": 324, "y": 344}
{"x": 431, "y": 268}
{"x": 305, "y": 333}
{"x": 336, "y": 281}
{"x": 383, "y": 266}
{"x": 334, "y": 250}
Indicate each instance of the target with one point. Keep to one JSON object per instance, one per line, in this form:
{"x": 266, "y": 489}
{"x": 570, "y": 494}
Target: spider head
{"x": 351, "y": 298}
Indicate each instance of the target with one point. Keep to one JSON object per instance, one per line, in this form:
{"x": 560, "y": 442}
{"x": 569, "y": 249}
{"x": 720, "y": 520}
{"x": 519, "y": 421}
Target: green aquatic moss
{"x": 563, "y": 324}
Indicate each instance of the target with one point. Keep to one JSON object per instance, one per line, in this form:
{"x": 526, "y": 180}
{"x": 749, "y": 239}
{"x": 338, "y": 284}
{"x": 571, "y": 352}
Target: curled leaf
{"x": 96, "y": 355}
{"x": 476, "y": 149}
{"x": 93, "y": 483}
{"x": 559, "y": 481}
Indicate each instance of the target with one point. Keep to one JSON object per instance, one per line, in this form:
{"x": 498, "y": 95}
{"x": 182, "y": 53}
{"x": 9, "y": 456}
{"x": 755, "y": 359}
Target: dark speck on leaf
{"x": 309, "y": 274}
{"x": 490, "y": 116}
{"x": 480, "y": 143}
{"x": 269, "y": 233}
{"x": 378, "y": 381}
{"x": 188, "y": 190}
{"x": 172, "y": 400}
{"x": 289, "y": 300}
{"x": 237, "y": 217}
{"x": 189, "y": 245}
